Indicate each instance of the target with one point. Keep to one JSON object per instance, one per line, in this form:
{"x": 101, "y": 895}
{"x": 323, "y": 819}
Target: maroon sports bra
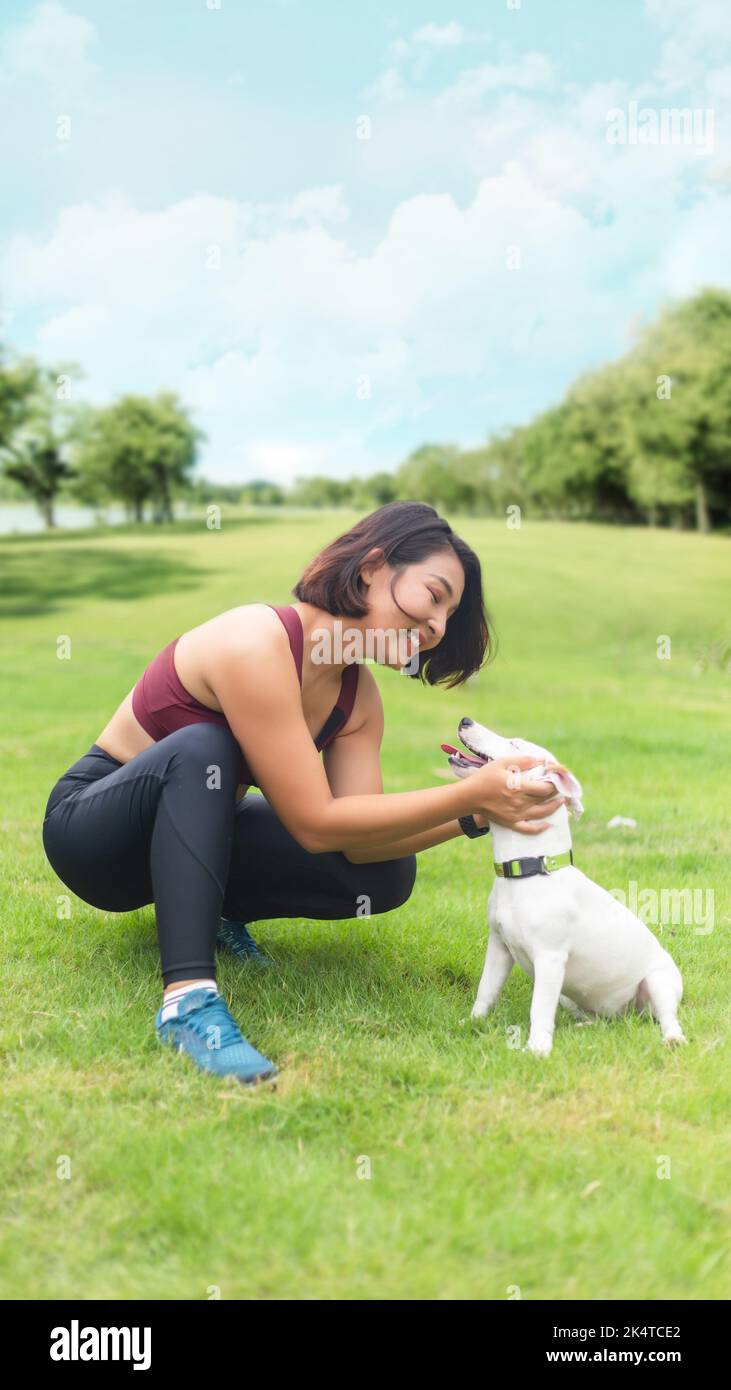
{"x": 162, "y": 704}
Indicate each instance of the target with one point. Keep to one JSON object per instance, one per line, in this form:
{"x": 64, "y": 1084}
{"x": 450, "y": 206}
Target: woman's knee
{"x": 389, "y": 882}
{"x": 211, "y": 744}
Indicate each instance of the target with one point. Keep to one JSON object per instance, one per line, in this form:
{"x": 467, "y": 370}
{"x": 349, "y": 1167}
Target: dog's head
{"x": 483, "y": 746}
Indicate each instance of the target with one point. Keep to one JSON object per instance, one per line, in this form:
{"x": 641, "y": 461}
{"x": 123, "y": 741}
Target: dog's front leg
{"x": 548, "y": 971}
{"x": 498, "y": 965}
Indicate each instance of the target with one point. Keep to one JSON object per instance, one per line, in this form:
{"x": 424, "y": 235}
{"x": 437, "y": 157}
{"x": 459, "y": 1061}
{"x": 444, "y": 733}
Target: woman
{"x": 159, "y": 809}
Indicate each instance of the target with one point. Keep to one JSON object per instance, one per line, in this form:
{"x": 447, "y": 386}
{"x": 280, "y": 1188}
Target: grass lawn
{"x": 491, "y": 1171}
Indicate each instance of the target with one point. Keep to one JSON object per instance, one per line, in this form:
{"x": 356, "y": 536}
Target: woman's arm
{"x": 353, "y": 766}
{"x": 255, "y": 683}
{"x": 413, "y": 844}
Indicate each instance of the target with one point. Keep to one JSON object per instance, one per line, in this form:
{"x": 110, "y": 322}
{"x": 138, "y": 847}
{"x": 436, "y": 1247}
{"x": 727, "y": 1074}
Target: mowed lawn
{"x": 601, "y": 1172}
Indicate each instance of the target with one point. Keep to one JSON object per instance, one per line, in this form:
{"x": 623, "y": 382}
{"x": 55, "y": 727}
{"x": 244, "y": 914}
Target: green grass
{"x": 489, "y": 1168}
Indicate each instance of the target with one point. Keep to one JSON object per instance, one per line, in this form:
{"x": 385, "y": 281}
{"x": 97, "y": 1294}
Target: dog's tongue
{"x": 468, "y": 757}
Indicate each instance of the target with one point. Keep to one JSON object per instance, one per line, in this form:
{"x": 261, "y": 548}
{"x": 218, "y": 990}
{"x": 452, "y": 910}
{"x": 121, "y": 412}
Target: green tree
{"x": 372, "y": 491}
{"x": 319, "y": 491}
{"x": 432, "y": 474}
{"x": 18, "y": 380}
{"x": 491, "y": 475}
{"x": 259, "y": 492}
{"x": 140, "y": 449}
{"x": 680, "y": 426}
{"x": 576, "y": 456}
{"x": 37, "y": 430}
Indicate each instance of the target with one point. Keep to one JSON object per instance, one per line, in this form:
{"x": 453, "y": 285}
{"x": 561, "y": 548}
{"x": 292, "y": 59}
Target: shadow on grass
{"x": 190, "y": 526}
{"x": 32, "y": 584}
{"x": 127, "y": 943}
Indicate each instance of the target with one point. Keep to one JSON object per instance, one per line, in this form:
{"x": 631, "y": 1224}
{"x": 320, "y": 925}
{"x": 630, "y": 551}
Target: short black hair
{"x": 406, "y": 532}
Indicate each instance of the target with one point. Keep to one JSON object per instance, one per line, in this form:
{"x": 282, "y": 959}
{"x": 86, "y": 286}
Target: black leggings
{"x": 165, "y": 828}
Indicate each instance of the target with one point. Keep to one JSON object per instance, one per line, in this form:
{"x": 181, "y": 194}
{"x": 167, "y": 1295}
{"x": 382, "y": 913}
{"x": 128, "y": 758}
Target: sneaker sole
{"x": 260, "y": 1079}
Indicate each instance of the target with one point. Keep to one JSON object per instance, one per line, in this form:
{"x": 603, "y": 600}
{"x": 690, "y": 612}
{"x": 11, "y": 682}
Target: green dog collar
{"x": 526, "y": 868}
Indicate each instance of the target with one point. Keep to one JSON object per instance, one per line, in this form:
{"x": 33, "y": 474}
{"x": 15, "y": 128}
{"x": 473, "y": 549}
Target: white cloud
{"x": 531, "y": 71}
{"x": 700, "y": 255}
{"x": 82, "y": 326}
{"x": 696, "y": 33}
{"x": 266, "y": 312}
{"x": 417, "y": 53}
{"x": 52, "y": 45}
{"x": 387, "y": 88}
{"x": 266, "y": 316}
{"x": 704, "y": 23}
{"x": 434, "y": 36}
{"x": 318, "y": 205}
{"x": 280, "y": 461}
{"x": 440, "y": 35}
{"x": 294, "y": 319}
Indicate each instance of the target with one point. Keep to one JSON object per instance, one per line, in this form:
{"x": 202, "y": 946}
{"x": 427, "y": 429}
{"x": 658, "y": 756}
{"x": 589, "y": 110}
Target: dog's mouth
{"x": 460, "y": 759}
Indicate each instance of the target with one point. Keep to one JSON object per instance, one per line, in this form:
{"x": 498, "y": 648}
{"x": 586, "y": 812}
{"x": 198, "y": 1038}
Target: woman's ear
{"x": 370, "y": 564}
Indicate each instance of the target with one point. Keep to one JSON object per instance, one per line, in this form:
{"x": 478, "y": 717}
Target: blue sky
{"x": 189, "y": 203}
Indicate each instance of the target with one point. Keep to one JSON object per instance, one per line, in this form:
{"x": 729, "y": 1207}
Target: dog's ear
{"x": 568, "y": 786}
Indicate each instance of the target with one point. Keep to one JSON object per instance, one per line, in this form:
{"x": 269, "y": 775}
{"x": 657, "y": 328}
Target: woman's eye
{"x": 434, "y": 596}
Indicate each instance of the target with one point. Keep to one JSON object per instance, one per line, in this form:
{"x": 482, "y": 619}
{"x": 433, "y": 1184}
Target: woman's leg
{"x": 271, "y": 875}
{"x": 158, "y": 828}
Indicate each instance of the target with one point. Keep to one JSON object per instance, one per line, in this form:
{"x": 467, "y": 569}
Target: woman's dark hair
{"x": 406, "y": 532}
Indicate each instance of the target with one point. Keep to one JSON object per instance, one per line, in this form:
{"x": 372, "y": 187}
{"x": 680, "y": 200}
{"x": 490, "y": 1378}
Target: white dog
{"x": 580, "y": 946}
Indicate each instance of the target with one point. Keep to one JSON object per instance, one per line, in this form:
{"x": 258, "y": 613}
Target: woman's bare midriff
{"x": 124, "y": 737}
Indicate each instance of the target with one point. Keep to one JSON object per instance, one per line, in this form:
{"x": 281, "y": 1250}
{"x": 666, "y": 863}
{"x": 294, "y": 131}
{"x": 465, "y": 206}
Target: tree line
{"x": 644, "y": 439}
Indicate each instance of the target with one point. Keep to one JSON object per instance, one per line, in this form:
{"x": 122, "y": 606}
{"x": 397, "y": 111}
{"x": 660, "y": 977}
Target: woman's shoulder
{"x": 238, "y": 628}
{"x": 243, "y": 631}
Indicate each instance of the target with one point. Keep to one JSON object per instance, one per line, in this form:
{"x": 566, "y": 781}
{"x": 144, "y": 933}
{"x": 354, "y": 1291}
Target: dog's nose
{"x": 465, "y": 723}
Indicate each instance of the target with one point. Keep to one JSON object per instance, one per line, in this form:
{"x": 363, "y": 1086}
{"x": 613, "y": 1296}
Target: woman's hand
{"x": 521, "y": 806}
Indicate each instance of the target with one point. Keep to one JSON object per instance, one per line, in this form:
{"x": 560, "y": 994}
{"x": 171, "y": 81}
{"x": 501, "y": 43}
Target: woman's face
{"x": 422, "y": 596}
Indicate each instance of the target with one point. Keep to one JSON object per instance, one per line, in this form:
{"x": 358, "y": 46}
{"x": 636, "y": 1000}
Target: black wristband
{"x": 471, "y": 828}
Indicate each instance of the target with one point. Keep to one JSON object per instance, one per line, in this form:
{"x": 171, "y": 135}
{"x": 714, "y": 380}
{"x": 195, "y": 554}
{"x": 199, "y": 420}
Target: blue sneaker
{"x": 205, "y": 1030}
{"x": 233, "y": 936}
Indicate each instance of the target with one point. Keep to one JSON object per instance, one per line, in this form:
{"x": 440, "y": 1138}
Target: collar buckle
{"x": 541, "y": 864}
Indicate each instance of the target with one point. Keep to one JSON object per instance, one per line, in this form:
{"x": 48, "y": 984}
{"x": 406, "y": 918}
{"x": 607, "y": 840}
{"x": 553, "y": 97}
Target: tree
{"x": 374, "y": 490}
{"x": 575, "y": 455}
{"x": 432, "y": 474}
{"x": 261, "y": 493}
{"x": 319, "y": 491}
{"x": 18, "y": 379}
{"x": 37, "y": 427}
{"x": 493, "y": 473}
{"x": 681, "y": 423}
{"x": 140, "y": 449}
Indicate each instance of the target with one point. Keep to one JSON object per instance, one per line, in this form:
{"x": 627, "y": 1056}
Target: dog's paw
{"x": 540, "y": 1047}
{"x": 480, "y": 1010}
{"x": 671, "y": 1039}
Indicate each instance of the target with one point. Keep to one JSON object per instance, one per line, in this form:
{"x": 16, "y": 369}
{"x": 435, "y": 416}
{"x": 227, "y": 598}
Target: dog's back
{"x": 609, "y": 950}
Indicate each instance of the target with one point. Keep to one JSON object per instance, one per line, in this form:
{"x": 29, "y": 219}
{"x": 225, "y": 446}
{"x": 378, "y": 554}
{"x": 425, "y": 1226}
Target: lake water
{"x": 24, "y": 518}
